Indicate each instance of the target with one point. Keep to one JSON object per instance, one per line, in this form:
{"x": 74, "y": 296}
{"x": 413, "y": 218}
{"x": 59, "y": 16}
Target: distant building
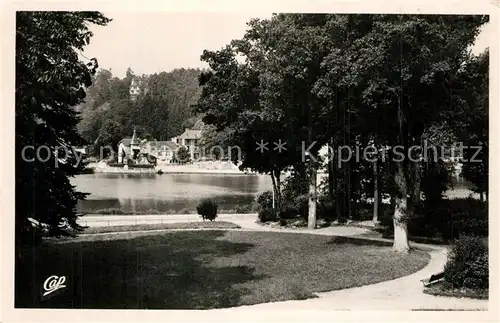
{"x": 163, "y": 151}
{"x": 129, "y": 148}
{"x": 134, "y": 90}
{"x": 190, "y": 139}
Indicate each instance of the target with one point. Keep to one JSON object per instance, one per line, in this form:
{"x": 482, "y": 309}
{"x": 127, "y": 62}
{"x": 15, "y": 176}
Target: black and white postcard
{"x": 249, "y": 161}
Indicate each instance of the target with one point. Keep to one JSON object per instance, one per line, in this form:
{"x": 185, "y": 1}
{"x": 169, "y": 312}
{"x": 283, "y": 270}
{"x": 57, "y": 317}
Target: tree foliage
{"x": 471, "y": 119}
{"x": 160, "y": 111}
{"x": 344, "y": 80}
{"x": 50, "y": 82}
{"x": 182, "y": 155}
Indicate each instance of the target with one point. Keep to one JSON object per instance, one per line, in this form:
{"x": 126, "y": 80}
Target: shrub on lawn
{"x": 265, "y": 200}
{"x": 298, "y": 207}
{"x": 207, "y": 209}
{"x": 467, "y": 265}
{"x": 288, "y": 211}
{"x": 326, "y": 210}
{"x": 302, "y": 205}
{"x": 268, "y": 214}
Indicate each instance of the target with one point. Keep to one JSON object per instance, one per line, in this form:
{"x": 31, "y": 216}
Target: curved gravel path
{"x": 405, "y": 293}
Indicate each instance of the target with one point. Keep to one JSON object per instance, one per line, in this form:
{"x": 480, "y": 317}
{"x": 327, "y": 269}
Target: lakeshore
{"x": 220, "y": 168}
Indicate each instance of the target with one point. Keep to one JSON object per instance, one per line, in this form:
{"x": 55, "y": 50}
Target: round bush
{"x": 326, "y": 210}
{"x": 287, "y": 211}
{"x": 207, "y": 209}
{"x": 467, "y": 264}
{"x": 268, "y": 214}
{"x": 302, "y": 205}
{"x": 265, "y": 200}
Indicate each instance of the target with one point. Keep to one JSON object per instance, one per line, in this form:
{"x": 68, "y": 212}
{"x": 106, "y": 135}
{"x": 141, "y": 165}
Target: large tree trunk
{"x": 400, "y": 225}
{"x": 275, "y": 193}
{"x": 400, "y": 218}
{"x": 311, "y": 220}
{"x": 376, "y": 194}
{"x": 278, "y": 188}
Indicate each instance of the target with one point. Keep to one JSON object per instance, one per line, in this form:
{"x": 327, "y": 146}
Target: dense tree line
{"x": 383, "y": 81}
{"x": 162, "y": 110}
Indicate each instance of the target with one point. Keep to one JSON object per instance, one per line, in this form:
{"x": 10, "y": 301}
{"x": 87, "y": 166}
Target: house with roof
{"x": 163, "y": 151}
{"x": 129, "y": 148}
{"x": 134, "y": 89}
{"x": 190, "y": 139}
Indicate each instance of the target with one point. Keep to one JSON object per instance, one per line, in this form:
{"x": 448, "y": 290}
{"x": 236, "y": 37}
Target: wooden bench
{"x": 433, "y": 279}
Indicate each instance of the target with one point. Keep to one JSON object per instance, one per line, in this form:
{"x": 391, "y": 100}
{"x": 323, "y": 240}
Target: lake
{"x": 167, "y": 192}
{"x": 177, "y": 193}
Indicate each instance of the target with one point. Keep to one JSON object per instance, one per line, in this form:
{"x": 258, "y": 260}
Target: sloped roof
{"x": 126, "y": 141}
{"x": 198, "y": 125}
{"x": 161, "y": 144}
{"x": 190, "y": 134}
{"x": 134, "y": 140}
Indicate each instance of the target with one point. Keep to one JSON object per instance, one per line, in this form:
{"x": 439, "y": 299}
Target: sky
{"x": 152, "y": 42}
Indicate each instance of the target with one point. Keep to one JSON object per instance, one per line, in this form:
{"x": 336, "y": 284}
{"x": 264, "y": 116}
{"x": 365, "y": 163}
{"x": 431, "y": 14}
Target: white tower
{"x": 134, "y": 146}
{"x": 134, "y": 90}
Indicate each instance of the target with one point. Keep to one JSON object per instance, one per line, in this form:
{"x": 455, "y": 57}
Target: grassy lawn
{"x": 164, "y": 226}
{"x": 203, "y": 269}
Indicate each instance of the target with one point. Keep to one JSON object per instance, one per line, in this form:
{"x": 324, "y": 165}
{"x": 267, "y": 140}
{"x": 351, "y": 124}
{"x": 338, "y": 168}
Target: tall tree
{"x": 230, "y": 100}
{"x": 110, "y": 134}
{"x": 286, "y": 52}
{"x": 471, "y": 120}
{"x": 50, "y": 82}
{"x": 402, "y": 68}
{"x": 348, "y": 80}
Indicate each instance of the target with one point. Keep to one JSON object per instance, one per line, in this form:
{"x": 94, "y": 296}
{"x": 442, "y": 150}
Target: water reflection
{"x": 167, "y": 192}
{"x": 179, "y": 192}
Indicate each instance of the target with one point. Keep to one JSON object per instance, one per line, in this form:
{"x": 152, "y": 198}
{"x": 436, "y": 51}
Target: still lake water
{"x": 167, "y": 192}
{"x": 178, "y": 192}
